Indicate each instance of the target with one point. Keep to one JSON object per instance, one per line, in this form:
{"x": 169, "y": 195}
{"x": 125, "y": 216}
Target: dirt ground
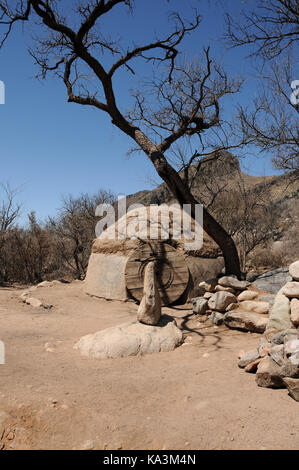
{"x": 195, "y": 397}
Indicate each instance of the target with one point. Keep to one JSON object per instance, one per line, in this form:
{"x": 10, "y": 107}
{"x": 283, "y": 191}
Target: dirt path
{"x": 192, "y": 398}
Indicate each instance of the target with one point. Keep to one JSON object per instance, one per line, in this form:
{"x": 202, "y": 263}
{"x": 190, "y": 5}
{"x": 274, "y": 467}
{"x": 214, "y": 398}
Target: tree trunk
{"x": 210, "y": 225}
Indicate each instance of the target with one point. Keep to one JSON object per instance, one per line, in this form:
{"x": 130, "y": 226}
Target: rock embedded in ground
{"x": 295, "y": 312}
{"x": 293, "y": 387}
{"x": 280, "y": 313}
{"x": 149, "y": 310}
{"x": 247, "y": 358}
{"x": 200, "y": 305}
{"x": 247, "y": 295}
{"x": 268, "y": 374}
{"x": 255, "y": 306}
{"x": 36, "y": 303}
{"x": 223, "y": 300}
{"x": 247, "y": 321}
{"x": 291, "y": 289}
{"x": 294, "y": 270}
{"x": 229, "y": 281}
{"x": 131, "y": 339}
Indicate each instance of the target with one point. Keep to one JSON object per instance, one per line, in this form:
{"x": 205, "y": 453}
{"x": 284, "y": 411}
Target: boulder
{"x": 248, "y": 357}
{"x": 131, "y": 339}
{"x": 255, "y": 306}
{"x": 149, "y": 310}
{"x": 280, "y": 313}
{"x": 269, "y": 374}
{"x": 246, "y": 321}
{"x": 295, "y": 312}
{"x": 291, "y": 289}
{"x": 272, "y": 281}
{"x": 293, "y": 387}
{"x": 294, "y": 270}
{"x": 268, "y": 298}
{"x": 200, "y": 305}
{"x": 229, "y": 281}
{"x": 223, "y": 300}
{"x": 247, "y": 295}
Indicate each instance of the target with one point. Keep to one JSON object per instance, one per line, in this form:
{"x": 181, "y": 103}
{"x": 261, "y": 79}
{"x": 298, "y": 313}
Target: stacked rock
{"x": 285, "y": 311}
{"x": 276, "y": 359}
{"x": 228, "y": 300}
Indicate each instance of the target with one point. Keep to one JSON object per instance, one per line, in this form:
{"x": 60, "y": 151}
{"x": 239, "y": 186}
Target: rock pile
{"x": 232, "y": 302}
{"x": 276, "y": 359}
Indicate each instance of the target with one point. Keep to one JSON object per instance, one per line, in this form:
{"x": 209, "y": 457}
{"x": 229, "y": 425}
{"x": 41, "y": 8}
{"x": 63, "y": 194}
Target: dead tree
{"x": 70, "y": 51}
{"x": 272, "y": 32}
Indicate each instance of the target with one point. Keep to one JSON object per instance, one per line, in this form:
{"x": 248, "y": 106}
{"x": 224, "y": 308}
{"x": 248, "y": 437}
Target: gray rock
{"x": 294, "y": 270}
{"x": 293, "y": 387}
{"x": 216, "y": 318}
{"x": 277, "y": 354}
{"x": 278, "y": 338}
{"x": 131, "y": 339}
{"x": 268, "y": 374}
{"x": 280, "y": 313}
{"x": 294, "y": 359}
{"x": 272, "y": 281}
{"x": 246, "y": 321}
{"x": 248, "y": 357}
{"x": 149, "y": 310}
{"x": 292, "y": 346}
{"x": 200, "y": 305}
{"x": 229, "y": 281}
{"x": 223, "y": 300}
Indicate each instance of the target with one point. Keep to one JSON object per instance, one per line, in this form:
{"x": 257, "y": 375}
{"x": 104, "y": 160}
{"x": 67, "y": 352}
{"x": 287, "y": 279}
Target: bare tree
{"x": 74, "y": 230}
{"x": 73, "y": 51}
{"x": 271, "y": 26}
{"x": 272, "y": 30}
{"x": 10, "y": 210}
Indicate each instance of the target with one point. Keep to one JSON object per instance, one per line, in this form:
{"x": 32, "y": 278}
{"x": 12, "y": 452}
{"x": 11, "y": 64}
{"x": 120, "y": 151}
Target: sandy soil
{"x": 192, "y": 398}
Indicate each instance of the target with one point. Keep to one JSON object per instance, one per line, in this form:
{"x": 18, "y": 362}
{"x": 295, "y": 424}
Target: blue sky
{"x": 50, "y": 148}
